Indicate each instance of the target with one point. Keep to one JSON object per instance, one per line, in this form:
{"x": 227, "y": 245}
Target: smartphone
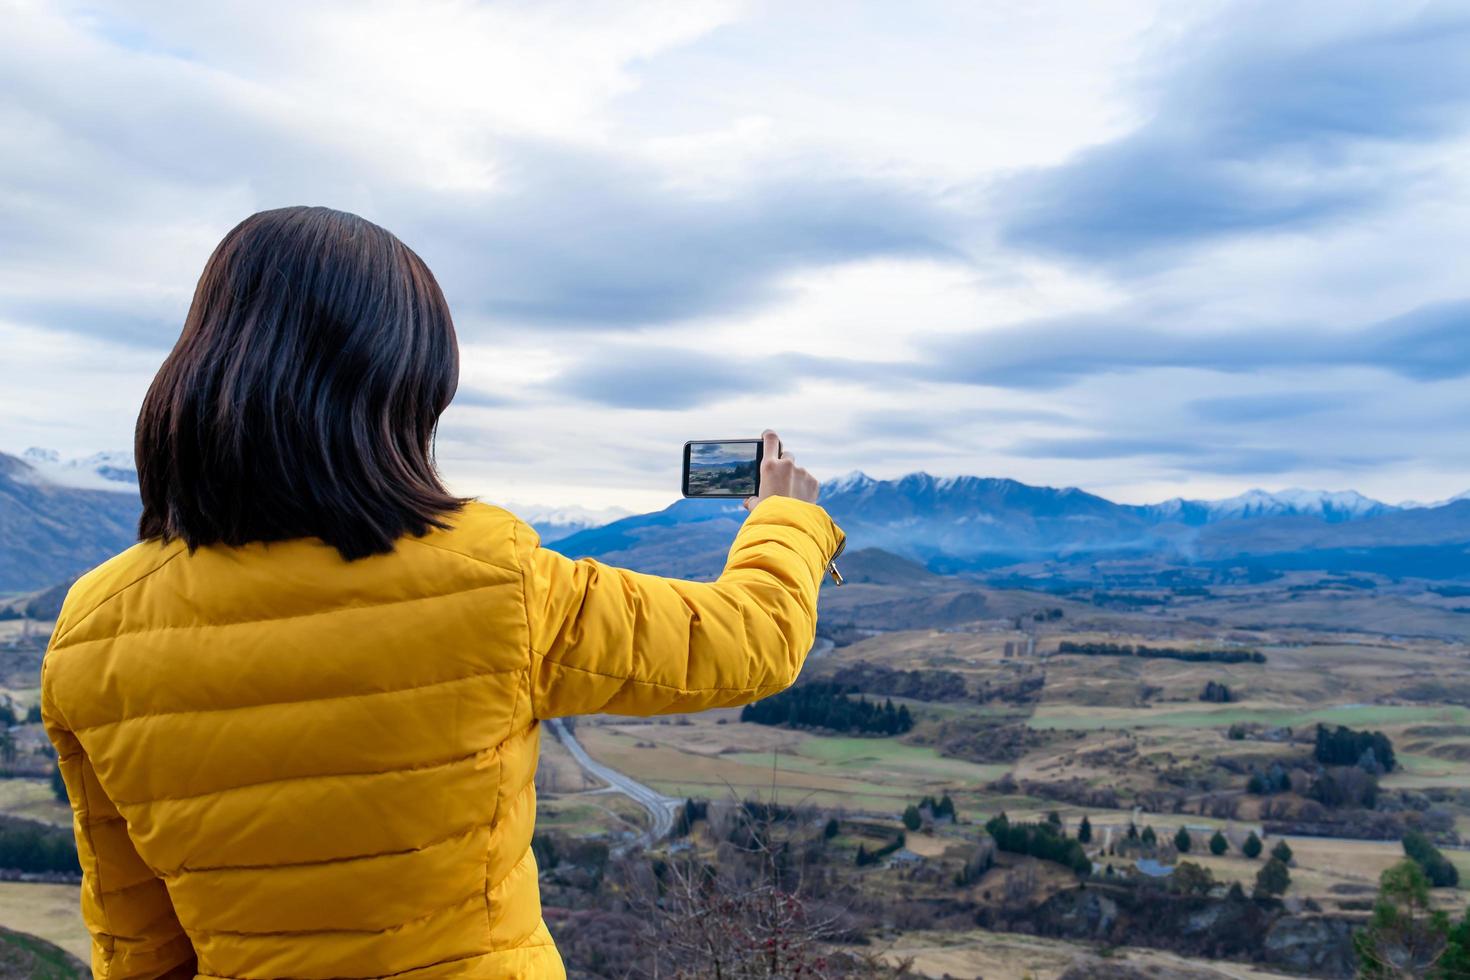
{"x": 723, "y": 467}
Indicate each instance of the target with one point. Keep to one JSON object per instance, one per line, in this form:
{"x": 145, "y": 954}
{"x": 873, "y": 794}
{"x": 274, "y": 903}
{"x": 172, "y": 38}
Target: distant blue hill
{"x": 58, "y": 519}
{"x": 952, "y": 524}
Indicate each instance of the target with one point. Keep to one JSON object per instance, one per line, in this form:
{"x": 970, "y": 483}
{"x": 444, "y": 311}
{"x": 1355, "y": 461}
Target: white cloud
{"x": 760, "y": 186}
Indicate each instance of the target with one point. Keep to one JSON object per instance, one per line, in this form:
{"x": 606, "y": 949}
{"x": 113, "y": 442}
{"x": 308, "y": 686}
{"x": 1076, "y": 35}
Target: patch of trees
{"x": 940, "y": 809}
{"x": 966, "y": 736}
{"x": 1345, "y": 786}
{"x": 1023, "y": 690}
{"x": 841, "y": 634}
{"x": 1407, "y": 936}
{"x": 1046, "y": 840}
{"x": 1162, "y": 653}
{"x": 1273, "y": 879}
{"x": 920, "y": 685}
{"x": 1191, "y": 879}
{"x": 691, "y": 811}
{"x": 1342, "y": 746}
{"x": 29, "y": 846}
{"x": 825, "y": 705}
{"x": 1273, "y": 780}
{"x": 1440, "y": 872}
{"x": 866, "y": 857}
{"x": 1216, "y": 693}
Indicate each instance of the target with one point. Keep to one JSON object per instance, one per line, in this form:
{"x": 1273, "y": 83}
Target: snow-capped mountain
{"x": 100, "y": 471}
{"x": 555, "y": 523}
{"x": 1331, "y": 506}
{"x": 1420, "y": 505}
{"x": 51, "y": 506}
{"x": 966, "y": 522}
{"x": 58, "y": 520}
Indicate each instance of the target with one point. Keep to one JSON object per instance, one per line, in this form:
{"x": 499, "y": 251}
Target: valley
{"x": 1178, "y": 710}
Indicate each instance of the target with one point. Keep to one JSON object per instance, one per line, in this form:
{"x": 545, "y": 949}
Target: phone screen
{"x": 722, "y": 468}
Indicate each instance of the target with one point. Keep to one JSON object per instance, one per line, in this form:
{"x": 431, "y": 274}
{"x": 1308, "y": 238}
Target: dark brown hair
{"x": 302, "y": 397}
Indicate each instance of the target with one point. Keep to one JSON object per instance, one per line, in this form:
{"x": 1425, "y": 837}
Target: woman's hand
{"x": 780, "y": 476}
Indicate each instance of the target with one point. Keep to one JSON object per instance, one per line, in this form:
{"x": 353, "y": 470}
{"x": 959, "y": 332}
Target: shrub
{"x": 1406, "y": 935}
{"x": 1182, "y": 840}
{"x": 1252, "y": 846}
{"x": 1218, "y": 844}
{"x": 1191, "y": 879}
{"x": 1342, "y": 746}
{"x": 1281, "y": 852}
{"x": 824, "y": 705}
{"x": 1440, "y": 872}
{"x": 26, "y": 845}
{"x": 1273, "y": 879}
{"x": 1039, "y": 840}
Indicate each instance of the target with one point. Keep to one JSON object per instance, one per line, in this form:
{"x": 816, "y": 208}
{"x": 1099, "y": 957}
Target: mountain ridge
{"x": 55, "y": 522}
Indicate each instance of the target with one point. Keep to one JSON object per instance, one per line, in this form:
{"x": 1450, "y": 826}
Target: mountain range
{"x": 58, "y": 518}
{"x": 952, "y": 524}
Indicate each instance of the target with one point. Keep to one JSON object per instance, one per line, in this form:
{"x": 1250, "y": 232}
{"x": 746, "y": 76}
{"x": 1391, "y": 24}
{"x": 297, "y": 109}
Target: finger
{"x": 748, "y": 503}
{"x": 789, "y": 458}
{"x": 772, "y": 445}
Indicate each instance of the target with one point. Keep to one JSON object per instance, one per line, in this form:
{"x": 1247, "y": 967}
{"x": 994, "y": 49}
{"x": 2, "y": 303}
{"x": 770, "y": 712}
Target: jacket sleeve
{"x": 135, "y": 933}
{"x": 604, "y": 639}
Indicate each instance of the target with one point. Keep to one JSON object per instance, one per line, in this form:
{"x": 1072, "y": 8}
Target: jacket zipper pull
{"x": 832, "y": 564}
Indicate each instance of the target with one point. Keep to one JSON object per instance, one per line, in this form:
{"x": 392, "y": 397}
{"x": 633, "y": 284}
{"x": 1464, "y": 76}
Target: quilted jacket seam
{"x": 256, "y": 621}
{"x": 461, "y": 832}
{"x": 510, "y": 731}
{"x": 625, "y": 679}
{"x": 423, "y": 767}
{"x": 465, "y": 555}
{"x": 380, "y": 976}
{"x": 110, "y": 945}
{"x": 437, "y": 910}
{"x": 316, "y": 699}
{"x": 59, "y": 640}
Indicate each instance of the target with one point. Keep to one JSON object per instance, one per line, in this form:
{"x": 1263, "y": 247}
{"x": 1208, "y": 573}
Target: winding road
{"x": 660, "y": 808}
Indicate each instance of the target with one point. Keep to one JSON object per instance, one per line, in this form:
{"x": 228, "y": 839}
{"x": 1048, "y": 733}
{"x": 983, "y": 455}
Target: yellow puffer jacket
{"x": 282, "y": 764}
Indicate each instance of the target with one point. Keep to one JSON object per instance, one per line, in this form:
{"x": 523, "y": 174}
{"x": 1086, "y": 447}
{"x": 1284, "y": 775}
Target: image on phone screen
{"x": 728, "y": 468}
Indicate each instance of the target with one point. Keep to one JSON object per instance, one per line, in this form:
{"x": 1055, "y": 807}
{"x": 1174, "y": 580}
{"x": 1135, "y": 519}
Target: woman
{"x": 299, "y": 721}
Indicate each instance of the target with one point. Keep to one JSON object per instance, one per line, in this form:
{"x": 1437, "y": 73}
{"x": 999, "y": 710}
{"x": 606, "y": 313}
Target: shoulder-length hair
{"x": 302, "y": 397}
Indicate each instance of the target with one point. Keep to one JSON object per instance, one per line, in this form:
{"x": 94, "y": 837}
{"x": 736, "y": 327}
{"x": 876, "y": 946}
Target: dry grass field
{"x": 52, "y": 912}
{"x": 1011, "y": 956}
{"x": 705, "y": 759}
{"x": 1133, "y": 727}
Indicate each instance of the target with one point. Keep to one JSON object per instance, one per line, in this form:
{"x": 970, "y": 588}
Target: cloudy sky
{"x": 1149, "y": 249}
